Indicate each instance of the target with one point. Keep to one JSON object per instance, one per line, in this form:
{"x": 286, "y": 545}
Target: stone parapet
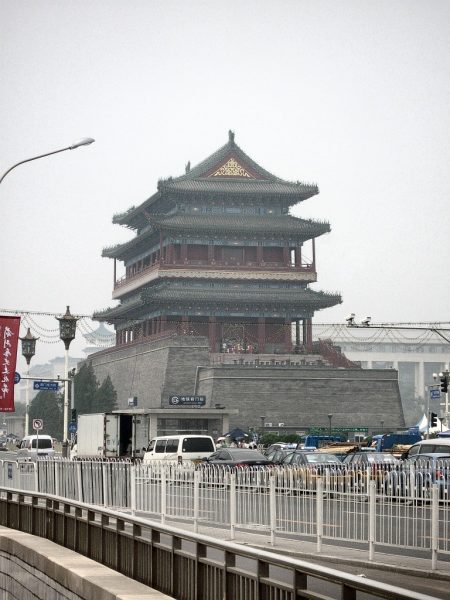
{"x": 32, "y": 567}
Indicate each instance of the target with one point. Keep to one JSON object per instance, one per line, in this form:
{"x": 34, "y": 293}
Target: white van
{"x": 439, "y": 445}
{"x": 179, "y": 448}
{"x": 29, "y": 447}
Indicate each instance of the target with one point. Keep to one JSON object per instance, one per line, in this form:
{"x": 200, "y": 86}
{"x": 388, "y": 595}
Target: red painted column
{"x": 304, "y": 333}
{"x": 298, "y": 256}
{"x": 212, "y": 332}
{"x": 210, "y": 254}
{"x": 309, "y": 333}
{"x": 183, "y": 253}
{"x": 259, "y": 254}
{"x": 287, "y": 336}
{"x": 314, "y": 253}
{"x": 286, "y": 256}
{"x": 161, "y": 247}
{"x": 163, "y": 322}
{"x": 261, "y": 335}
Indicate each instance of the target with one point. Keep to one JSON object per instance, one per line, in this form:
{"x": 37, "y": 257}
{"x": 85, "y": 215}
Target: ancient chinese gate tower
{"x": 217, "y": 254}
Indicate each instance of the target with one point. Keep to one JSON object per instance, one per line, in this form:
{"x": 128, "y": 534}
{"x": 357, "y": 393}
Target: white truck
{"x": 111, "y": 435}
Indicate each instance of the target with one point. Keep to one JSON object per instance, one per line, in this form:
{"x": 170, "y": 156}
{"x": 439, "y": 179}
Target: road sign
{"x": 435, "y": 394}
{"x": 72, "y": 427}
{"x": 46, "y": 385}
{"x": 187, "y": 400}
{"x": 38, "y": 424}
{"x": 16, "y": 377}
{"x": 339, "y": 430}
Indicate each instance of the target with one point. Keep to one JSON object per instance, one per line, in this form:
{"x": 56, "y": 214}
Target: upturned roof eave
{"x": 134, "y": 216}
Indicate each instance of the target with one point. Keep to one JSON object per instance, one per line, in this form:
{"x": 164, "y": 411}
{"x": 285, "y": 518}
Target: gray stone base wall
{"x": 305, "y": 397}
{"x": 299, "y": 396}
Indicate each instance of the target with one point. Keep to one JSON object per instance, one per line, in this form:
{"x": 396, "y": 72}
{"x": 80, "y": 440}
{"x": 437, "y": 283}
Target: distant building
{"x": 415, "y": 354}
{"x": 99, "y": 338}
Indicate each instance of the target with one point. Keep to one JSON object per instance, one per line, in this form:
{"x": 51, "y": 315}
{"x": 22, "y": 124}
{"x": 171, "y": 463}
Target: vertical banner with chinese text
{"x": 9, "y": 338}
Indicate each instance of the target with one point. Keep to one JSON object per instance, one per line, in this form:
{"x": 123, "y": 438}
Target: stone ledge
{"x": 80, "y": 576}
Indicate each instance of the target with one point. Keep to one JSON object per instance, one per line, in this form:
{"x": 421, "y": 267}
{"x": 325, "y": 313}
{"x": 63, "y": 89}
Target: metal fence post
{"x": 163, "y": 494}
{"x": 105, "y": 484}
{"x": 434, "y": 525}
{"x": 319, "y": 512}
{"x": 79, "y": 481}
{"x": 196, "y": 499}
{"x": 133, "y": 489}
{"x": 36, "y": 476}
{"x": 232, "y": 505}
{"x": 56, "y": 472}
{"x": 372, "y": 518}
{"x": 272, "y": 508}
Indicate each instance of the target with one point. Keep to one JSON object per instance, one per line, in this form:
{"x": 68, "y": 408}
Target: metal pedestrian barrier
{"x": 379, "y": 509}
{"x": 183, "y": 565}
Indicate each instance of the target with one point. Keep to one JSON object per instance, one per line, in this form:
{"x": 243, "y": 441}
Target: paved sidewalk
{"x": 332, "y": 553}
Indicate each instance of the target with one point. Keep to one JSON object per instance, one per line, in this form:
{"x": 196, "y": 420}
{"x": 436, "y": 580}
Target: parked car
{"x": 377, "y": 464}
{"x": 365, "y": 459}
{"x": 422, "y": 471}
{"x": 311, "y": 459}
{"x": 277, "y": 454}
{"x": 3, "y": 444}
{"x": 309, "y": 466}
{"x": 237, "y": 457}
{"x": 439, "y": 445}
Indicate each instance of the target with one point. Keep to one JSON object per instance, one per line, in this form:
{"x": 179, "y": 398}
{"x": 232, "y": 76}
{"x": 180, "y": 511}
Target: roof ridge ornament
{"x": 231, "y": 136}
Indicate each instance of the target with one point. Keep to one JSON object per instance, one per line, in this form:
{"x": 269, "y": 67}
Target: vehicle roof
{"x": 438, "y": 440}
{"x": 33, "y": 437}
{"x": 180, "y": 435}
{"x": 436, "y": 455}
{"x": 242, "y": 451}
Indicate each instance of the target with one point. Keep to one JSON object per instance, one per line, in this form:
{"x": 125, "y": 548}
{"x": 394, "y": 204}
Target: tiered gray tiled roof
{"x": 199, "y": 180}
{"x": 225, "y": 295}
{"x": 281, "y": 226}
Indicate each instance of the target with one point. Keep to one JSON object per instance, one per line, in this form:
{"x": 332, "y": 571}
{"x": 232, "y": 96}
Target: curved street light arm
{"x": 82, "y": 142}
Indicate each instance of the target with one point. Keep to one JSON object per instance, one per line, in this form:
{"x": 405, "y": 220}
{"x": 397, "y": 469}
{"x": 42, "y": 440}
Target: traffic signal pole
{"x": 444, "y": 378}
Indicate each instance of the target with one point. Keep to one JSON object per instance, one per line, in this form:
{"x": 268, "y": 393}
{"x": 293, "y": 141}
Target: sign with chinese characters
{"x": 9, "y": 337}
{"x": 187, "y": 400}
{"x": 339, "y": 430}
{"x": 46, "y": 385}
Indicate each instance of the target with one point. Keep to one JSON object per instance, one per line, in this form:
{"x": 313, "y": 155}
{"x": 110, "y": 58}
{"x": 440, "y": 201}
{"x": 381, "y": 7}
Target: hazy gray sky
{"x": 352, "y": 95}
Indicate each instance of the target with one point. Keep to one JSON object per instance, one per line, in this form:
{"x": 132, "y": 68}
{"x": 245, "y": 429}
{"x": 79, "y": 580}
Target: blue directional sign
{"x": 435, "y": 394}
{"x": 72, "y": 427}
{"x": 16, "y": 377}
{"x": 46, "y": 385}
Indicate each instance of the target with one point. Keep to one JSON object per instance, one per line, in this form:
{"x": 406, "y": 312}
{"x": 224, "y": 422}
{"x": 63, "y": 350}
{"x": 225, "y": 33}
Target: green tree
{"x": 48, "y": 406}
{"x": 86, "y": 386}
{"x": 106, "y": 396}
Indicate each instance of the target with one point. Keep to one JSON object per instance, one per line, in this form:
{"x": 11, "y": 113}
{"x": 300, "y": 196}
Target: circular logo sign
{"x": 16, "y": 377}
{"x": 38, "y": 423}
{"x": 174, "y": 400}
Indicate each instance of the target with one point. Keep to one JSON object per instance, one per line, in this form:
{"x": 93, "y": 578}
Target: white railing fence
{"x": 376, "y": 507}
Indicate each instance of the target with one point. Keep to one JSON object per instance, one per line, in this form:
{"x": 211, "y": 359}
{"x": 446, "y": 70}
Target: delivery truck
{"x": 111, "y": 435}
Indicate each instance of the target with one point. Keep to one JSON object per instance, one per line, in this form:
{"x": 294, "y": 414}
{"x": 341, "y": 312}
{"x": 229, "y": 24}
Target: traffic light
{"x": 74, "y": 414}
{"x": 444, "y": 382}
{"x": 433, "y": 419}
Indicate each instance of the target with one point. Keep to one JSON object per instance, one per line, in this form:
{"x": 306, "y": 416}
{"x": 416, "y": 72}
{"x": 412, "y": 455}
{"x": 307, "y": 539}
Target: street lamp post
{"x": 330, "y": 416}
{"x": 28, "y": 351}
{"x": 82, "y": 142}
{"x": 67, "y": 330}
